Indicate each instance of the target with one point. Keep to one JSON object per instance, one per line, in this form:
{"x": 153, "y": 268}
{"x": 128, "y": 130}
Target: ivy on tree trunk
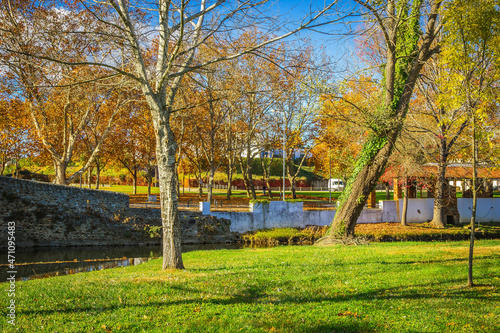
{"x": 407, "y": 51}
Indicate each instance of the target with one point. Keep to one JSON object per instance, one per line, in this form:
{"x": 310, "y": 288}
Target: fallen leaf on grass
{"x": 348, "y": 313}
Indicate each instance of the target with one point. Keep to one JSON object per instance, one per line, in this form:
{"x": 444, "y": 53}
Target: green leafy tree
{"x": 471, "y": 48}
{"x": 408, "y": 46}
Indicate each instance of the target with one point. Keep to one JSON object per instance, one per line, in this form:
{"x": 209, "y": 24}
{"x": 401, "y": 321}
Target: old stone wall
{"x": 74, "y": 198}
{"x": 52, "y": 215}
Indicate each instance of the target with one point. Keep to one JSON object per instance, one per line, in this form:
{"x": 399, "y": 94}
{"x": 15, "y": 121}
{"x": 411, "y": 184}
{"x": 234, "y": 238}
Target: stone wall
{"x": 53, "y": 215}
{"x": 75, "y": 198}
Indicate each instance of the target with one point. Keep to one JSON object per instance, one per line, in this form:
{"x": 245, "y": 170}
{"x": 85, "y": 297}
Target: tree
{"x": 344, "y": 125}
{"x": 296, "y": 106}
{"x": 471, "y": 47}
{"x": 135, "y": 147}
{"x": 407, "y": 50}
{"x": 16, "y": 140}
{"x": 124, "y": 34}
{"x": 437, "y": 123}
{"x": 211, "y": 113}
{"x": 59, "y": 104}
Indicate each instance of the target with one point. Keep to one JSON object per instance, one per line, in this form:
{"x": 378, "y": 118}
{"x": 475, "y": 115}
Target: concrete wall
{"x": 419, "y": 210}
{"x": 422, "y": 210}
{"x": 279, "y": 214}
{"x": 487, "y": 210}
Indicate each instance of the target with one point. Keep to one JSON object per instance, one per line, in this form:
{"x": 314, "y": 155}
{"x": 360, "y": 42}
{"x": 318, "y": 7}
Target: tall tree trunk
{"x": 405, "y": 204}
{"x": 229, "y": 178}
{"x": 249, "y": 172}
{"x": 134, "y": 179}
{"x": 266, "y": 170}
{"x": 438, "y": 218}
{"x": 402, "y": 69}
{"x": 200, "y": 186}
{"x": 252, "y": 185}
{"x": 183, "y": 182}
{"x": 165, "y": 150}
{"x": 150, "y": 179}
{"x": 246, "y": 182}
{"x": 97, "y": 175}
{"x": 210, "y": 184}
{"x": 89, "y": 177}
{"x": 360, "y": 188}
{"x": 60, "y": 169}
{"x": 470, "y": 280}
{"x": 178, "y": 188}
{"x": 387, "y": 191}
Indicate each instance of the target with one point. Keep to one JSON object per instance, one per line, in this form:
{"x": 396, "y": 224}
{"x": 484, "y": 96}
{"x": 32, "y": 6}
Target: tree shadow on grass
{"x": 262, "y": 294}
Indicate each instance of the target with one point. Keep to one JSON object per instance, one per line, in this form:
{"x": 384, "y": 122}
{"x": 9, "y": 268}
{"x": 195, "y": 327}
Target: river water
{"x": 35, "y": 263}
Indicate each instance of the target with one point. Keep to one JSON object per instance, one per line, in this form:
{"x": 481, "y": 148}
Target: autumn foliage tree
{"x": 408, "y": 39}
{"x": 344, "y": 125}
{"x": 59, "y": 104}
{"x": 471, "y": 49}
{"x": 16, "y": 139}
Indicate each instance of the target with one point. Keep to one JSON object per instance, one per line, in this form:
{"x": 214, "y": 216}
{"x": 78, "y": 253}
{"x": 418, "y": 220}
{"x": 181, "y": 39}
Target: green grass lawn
{"x": 129, "y": 189}
{"x": 381, "y": 287}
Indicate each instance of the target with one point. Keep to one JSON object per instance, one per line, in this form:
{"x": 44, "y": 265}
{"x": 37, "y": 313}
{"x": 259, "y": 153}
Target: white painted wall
{"x": 419, "y": 210}
{"x": 487, "y": 210}
{"x": 389, "y": 211}
{"x": 279, "y": 214}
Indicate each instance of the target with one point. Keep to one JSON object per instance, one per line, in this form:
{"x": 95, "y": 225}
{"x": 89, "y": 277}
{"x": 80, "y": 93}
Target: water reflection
{"x": 36, "y": 263}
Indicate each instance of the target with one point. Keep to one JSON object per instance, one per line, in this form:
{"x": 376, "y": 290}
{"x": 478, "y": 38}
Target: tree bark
{"x": 60, "y": 168}
{"x": 438, "y": 218}
{"x": 346, "y": 217}
{"x": 89, "y": 177}
{"x": 405, "y": 204}
{"x": 229, "y": 178}
{"x": 98, "y": 175}
{"x": 134, "y": 179}
{"x": 387, "y": 191}
{"x": 200, "y": 186}
{"x": 252, "y": 185}
{"x": 266, "y": 170}
{"x": 150, "y": 179}
{"x": 470, "y": 277}
{"x": 398, "y": 89}
{"x": 210, "y": 184}
{"x": 165, "y": 150}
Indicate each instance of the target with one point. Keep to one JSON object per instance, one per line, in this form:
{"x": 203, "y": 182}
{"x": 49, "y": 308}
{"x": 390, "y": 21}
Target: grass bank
{"x": 376, "y": 232}
{"x": 383, "y": 287}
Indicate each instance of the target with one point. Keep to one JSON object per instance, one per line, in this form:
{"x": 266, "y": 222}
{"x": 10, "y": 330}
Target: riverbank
{"x": 381, "y": 287}
{"x": 374, "y": 232}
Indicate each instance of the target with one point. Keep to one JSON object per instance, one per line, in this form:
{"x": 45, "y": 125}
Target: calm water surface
{"x": 37, "y": 263}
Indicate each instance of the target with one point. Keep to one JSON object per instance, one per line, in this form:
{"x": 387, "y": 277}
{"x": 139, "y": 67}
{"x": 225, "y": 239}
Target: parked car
{"x": 336, "y": 184}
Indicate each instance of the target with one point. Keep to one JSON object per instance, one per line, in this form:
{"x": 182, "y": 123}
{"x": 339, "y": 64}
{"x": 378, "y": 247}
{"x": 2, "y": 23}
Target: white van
{"x": 336, "y": 184}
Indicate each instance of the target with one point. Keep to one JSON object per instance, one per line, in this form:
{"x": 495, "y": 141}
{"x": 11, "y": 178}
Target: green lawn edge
{"x": 381, "y": 287}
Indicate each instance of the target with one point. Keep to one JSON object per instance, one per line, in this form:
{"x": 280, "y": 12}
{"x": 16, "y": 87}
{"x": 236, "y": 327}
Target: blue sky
{"x": 330, "y": 38}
